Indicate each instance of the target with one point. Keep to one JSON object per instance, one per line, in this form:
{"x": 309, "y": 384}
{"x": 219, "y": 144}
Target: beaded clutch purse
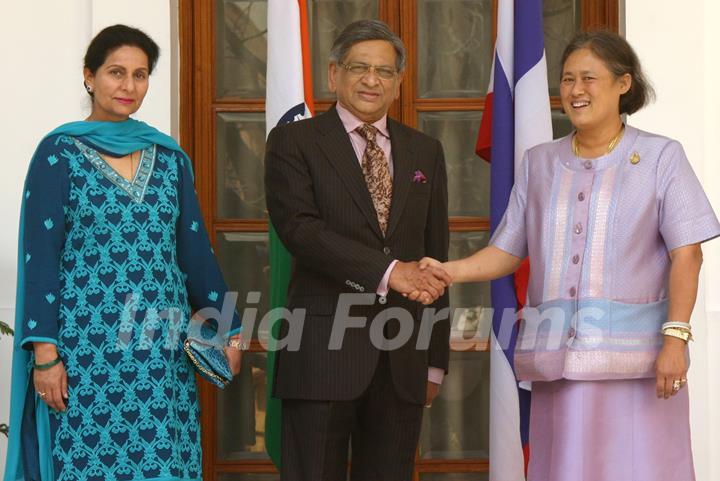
{"x": 209, "y": 361}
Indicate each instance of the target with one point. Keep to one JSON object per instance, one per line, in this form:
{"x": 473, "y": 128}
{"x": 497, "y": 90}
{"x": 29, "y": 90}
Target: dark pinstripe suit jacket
{"x": 322, "y": 210}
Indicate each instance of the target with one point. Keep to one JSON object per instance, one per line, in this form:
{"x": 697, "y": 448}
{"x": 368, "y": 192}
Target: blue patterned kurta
{"x": 112, "y": 269}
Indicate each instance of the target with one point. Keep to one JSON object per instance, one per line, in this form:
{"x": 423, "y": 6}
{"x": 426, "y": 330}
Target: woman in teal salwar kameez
{"x": 113, "y": 255}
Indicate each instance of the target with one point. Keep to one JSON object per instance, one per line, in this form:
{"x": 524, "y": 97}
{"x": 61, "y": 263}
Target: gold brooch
{"x": 634, "y": 158}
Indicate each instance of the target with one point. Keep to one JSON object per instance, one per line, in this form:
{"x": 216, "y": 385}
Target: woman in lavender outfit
{"x": 612, "y": 222}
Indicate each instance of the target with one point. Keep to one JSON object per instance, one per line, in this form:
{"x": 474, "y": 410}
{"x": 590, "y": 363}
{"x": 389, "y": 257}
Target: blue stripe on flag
{"x": 529, "y": 44}
{"x": 502, "y": 175}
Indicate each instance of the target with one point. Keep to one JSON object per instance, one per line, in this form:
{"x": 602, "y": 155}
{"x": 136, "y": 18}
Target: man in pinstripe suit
{"x": 356, "y": 198}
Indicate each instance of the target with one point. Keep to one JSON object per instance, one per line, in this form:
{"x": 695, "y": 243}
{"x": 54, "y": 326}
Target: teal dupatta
{"x": 119, "y": 138}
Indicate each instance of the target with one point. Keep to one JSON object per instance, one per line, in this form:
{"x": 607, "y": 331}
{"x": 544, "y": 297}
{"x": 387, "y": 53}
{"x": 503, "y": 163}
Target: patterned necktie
{"x": 377, "y": 175}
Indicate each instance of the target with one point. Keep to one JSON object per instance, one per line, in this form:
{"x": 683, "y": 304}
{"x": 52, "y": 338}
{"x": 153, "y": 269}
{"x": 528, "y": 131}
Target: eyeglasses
{"x": 358, "y": 69}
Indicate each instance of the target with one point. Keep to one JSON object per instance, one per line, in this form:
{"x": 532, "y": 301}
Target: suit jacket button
{"x": 348, "y": 283}
{"x": 382, "y": 300}
{"x": 386, "y": 250}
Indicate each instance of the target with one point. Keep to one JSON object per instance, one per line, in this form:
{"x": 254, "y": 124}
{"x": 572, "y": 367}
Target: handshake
{"x": 423, "y": 281}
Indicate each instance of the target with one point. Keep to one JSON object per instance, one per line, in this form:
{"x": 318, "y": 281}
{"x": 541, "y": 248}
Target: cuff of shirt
{"x": 383, "y": 288}
{"x": 436, "y": 375}
{"x": 28, "y": 342}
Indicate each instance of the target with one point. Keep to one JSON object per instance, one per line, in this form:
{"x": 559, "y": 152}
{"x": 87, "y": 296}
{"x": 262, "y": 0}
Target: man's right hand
{"x": 407, "y": 278}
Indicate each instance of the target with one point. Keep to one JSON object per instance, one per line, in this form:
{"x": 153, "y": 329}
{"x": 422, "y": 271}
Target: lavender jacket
{"x": 598, "y": 233}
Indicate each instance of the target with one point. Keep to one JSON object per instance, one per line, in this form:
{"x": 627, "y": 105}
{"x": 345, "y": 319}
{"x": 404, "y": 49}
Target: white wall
{"x": 42, "y": 44}
{"x": 679, "y": 45}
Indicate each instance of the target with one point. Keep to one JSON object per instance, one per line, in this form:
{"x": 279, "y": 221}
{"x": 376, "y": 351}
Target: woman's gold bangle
{"x": 683, "y": 334}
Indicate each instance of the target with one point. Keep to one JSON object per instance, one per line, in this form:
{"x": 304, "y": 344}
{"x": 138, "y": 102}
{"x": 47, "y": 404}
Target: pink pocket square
{"x": 419, "y": 177}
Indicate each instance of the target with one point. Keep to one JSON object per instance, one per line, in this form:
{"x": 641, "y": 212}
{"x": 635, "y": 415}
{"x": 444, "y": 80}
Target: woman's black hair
{"x": 111, "y": 38}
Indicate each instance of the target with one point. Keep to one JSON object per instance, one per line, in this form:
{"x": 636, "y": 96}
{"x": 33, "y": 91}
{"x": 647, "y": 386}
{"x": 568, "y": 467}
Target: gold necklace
{"x": 611, "y": 145}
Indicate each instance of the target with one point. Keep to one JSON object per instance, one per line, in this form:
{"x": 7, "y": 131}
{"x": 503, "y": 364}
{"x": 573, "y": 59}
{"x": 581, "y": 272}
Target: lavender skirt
{"x": 608, "y": 431}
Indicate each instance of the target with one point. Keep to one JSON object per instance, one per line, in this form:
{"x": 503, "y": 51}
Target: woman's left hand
{"x": 671, "y": 366}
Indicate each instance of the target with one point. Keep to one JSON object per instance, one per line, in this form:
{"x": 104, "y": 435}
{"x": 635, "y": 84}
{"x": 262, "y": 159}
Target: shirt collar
{"x": 350, "y": 122}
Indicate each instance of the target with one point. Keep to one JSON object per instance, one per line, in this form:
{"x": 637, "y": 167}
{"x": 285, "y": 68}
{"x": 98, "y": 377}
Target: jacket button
{"x": 386, "y": 250}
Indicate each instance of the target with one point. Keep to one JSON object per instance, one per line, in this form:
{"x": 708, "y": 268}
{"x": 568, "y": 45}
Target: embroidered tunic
{"x": 112, "y": 268}
{"x": 598, "y": 234}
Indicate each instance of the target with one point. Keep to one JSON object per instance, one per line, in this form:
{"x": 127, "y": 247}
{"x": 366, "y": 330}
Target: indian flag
{"x": 289, "y": 98}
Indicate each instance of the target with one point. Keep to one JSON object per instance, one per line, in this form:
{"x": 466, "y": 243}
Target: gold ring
{"x": 676, "y": 385}
{"x": 42, "y": 395}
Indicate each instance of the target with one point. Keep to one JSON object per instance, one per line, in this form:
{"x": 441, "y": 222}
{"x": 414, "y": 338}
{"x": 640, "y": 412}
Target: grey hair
{"x": 364, "y": 30}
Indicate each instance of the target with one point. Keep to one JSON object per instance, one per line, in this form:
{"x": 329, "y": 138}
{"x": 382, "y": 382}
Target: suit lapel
{"x": 403, "y": 157}
{"x": 335, "y": 143}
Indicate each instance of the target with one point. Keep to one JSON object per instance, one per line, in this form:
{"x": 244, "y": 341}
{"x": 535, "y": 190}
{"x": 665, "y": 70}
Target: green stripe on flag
{"x": 280, "y": 267}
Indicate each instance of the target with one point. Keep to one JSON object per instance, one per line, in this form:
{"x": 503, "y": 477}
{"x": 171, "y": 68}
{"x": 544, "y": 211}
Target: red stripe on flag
{"x": 522, "y": 277}
{"x": 484, "y": 141}
{"x": 526, "y": 455}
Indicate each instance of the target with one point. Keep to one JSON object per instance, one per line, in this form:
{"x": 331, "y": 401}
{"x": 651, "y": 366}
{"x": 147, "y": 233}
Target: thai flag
{"x": 289, "y": 98}
{"x": 516, "y": 118}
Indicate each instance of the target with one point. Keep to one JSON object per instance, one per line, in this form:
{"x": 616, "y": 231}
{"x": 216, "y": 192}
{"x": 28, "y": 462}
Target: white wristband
{"x": 677, "y": 325}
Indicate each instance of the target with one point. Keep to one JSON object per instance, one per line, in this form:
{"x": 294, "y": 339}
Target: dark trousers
{"x": 382, "y": 428}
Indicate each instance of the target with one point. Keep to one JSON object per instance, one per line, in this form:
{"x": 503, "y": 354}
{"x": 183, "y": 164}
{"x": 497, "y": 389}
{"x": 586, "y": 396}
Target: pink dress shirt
{"x": 351, "y": 122}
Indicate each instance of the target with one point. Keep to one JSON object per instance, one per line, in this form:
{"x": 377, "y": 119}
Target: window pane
{"x": 562, "y": 20}
{"x": 240, "y": 410}
{"x": 240, "y": 48}
{"x": 468, "y": 174}
{"x": 327, "y": 19}
{"x": 243, "y": 258}
{"x": 456, "y": 426}
{"x": 561, "y": 124}
{"x": 240, "y": 165}
{"x": 455, "y": 47}
{"x": 454, "y": 476}
{"x": 470, "y": 301}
